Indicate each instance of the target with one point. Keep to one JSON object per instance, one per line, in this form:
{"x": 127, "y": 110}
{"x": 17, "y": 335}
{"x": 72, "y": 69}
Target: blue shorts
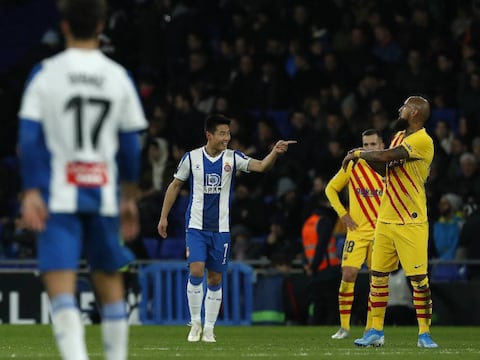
{"x": 69, "y": 236}
{"x": 212, "y": 248}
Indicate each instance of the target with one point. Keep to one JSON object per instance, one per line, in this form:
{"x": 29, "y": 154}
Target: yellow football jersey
{"x": 404, "y": 200}
{"x": 365, "y": 188}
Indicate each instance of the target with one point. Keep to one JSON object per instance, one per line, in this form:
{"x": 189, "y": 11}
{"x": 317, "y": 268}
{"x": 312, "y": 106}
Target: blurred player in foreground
{"x": 78, "y": 137}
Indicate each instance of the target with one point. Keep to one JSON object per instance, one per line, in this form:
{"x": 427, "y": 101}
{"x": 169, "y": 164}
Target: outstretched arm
{"x": 263, "y": 165}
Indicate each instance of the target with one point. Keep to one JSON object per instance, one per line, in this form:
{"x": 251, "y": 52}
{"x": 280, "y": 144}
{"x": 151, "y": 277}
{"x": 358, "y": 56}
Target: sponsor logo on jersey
{"x": 369, "y": 192}
{"x": 213, "y": 184}
{"x": 83, "y": 174}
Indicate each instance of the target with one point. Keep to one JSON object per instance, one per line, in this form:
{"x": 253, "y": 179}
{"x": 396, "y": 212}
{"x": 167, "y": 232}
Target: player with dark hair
{"x": 401, "y": 233}
{"x": 210, "y": 171}
{"x": 365, "y": 189}
{"x": 78, "y": 138}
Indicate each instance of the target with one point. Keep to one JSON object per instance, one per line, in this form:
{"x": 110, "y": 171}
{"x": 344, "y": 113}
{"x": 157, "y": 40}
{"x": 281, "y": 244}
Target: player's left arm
{"x": 268, "y": 161}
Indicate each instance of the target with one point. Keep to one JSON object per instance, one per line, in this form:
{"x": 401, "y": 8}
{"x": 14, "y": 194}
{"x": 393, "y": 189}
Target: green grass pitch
{"x": 281, "y": 342}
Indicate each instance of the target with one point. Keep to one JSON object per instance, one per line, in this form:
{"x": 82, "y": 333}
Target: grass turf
{"x": 288, "y": 342}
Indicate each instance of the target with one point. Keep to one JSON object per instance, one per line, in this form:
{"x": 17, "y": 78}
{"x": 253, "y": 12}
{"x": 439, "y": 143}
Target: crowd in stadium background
{"x": 319, "y": 72}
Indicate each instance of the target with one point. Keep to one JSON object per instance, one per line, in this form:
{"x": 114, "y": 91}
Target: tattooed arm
{"x": 377, "y": 159}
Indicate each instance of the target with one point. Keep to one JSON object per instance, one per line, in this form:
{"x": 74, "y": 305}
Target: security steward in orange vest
{"x": 322, "y": 266}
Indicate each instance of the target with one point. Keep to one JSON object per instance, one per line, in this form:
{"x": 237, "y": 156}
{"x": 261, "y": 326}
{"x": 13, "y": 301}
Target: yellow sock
{"x": 345, "y": 301}
{"x": 368, "y": 324}
{"x": 422, "y": 301}
{"x": 378, "y": 300}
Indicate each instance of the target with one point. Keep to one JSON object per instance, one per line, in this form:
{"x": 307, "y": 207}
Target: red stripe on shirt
{"x": 393, "y": 205}
{"x": 362, "y": 205}
{"x": 408, "y": 177}
{"x": 398, "y": 196}
{"x": 362, "y": 186}
{"x": 369, "y": 183}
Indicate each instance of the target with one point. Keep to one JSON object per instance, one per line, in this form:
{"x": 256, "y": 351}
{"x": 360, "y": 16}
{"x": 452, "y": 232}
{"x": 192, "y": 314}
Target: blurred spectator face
{"x": 420, "y": 17}
{"x": 153, "y": 152}
{"x": 298, "y": 120}
{"x": 241, "y": 46}
{"x": 273, "y": 46}
{"x": 194, "y": 42}
{"x": 300, "y": 15}
{"x": 267, "y": 69}
{"x": 357, "y": 37}
{"x": 300, "y": 61}
{"x": 330, "y": 62}
{"x": 319, "y": 185}
{"x": 226, "y": 49}
{"x": 444, "y": 206}
{"x": 476, "y": 147}
{"x": 475, "y": 81}
{"x": 241, "y": 191}
{"x": 382, "y": 35}
{"x": 264, "y": 130}
{"x": 221, "y": 105}
{"x": 441, "y": 129}
{"x": 294, "y": 46}
{"x": 181, "y": 104}
{"x": 177, "y": 152}
{"x": 197, "y": 62}
{"x": 414, "y": 59}
{"x": 313, "y": 107}
{"x": 316, "y": 48}
{"x": 246, "y": 65}
{"x": 458, "y": 147}
{"x": 444, "y": 63}
{"x": 379, "y": 121}
{"x": 335, "y": 148}
{"x": 234, "y": 126}
{"x": 468, "y": 165}
{"x": 333, "y": 122}
{"x": 376, "y": 106}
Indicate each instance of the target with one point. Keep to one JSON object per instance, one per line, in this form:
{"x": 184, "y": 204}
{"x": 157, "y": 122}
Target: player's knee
{"x": 379, "y": 281}
{"x": 419, "y": 282}
{"x": 349, "y": 274}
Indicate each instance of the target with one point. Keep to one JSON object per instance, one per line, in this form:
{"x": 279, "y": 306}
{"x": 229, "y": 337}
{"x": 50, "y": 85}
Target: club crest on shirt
{"x": 227, "y": 167}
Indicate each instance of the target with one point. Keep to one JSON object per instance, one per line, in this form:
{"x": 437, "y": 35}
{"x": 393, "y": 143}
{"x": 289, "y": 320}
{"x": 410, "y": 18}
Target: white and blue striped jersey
{"x": 78, "y": 109}
{"x": 211, "y": 187}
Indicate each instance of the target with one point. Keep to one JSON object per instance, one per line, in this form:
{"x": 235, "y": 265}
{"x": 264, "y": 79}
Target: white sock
{"x": 213, "y": 300}
{"x": 69, "y": 333}
{"x": 115, "y": 330}
{"x": 115, "y": 339}
{"x": 195, "y": 300}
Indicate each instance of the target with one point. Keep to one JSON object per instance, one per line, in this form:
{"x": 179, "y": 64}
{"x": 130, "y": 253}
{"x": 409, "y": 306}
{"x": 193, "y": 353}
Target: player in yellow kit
{"x": 365, "y": 188}
{"x": 402, "y": 225}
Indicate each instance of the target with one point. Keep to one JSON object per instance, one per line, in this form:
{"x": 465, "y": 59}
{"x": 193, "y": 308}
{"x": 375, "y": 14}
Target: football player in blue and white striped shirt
{"x": 78, "y": 139}
{"x": 210, "y": 171}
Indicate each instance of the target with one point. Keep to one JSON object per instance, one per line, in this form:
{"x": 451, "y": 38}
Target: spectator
{"x": 446, "y": 229}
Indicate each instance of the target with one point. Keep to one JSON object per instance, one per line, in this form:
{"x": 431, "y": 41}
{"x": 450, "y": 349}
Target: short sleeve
{"x": 241, "y": 161}
{"x": 32, "y": 103}
{"x": 183, "y": 169}
{"x": 417, "y": 145}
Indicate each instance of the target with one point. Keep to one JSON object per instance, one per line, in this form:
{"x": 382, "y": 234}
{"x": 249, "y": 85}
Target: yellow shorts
{"x": 357, "y": 252}
{"x": 405, "y": 243}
